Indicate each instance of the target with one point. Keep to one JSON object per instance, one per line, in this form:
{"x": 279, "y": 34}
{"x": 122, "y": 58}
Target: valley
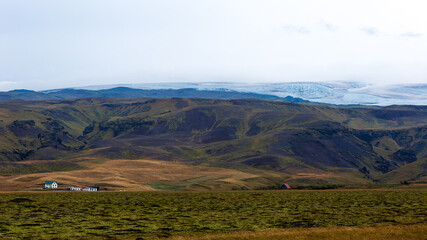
{"x": 221, "y": 144}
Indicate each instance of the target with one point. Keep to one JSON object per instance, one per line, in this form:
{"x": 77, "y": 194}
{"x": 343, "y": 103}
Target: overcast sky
{"x": 57, "y": 44}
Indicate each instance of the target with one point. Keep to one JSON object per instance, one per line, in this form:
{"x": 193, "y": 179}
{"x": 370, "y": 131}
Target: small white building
{"x": 72, "y": 188}
{"x": 90, "y": 189}
{"x": 50, "y": 184}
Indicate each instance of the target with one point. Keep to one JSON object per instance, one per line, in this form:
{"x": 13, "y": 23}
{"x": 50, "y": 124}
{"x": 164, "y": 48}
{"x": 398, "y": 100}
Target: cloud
{"x": 6, "y": 84}
{"x": 328, "y": 26}
{"x": 44, "y": 44}
{"x": 372, "y": 31}
{"x": 295, "y": 29}
{"x": 411, "y": 35}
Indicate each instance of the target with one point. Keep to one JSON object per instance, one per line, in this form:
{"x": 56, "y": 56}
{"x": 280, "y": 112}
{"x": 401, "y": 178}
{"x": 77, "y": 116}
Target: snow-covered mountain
{"x": 323, "y": 92}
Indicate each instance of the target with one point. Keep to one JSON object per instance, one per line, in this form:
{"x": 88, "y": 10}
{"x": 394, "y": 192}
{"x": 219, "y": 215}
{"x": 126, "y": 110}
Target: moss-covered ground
{"x": 150, "y": 215}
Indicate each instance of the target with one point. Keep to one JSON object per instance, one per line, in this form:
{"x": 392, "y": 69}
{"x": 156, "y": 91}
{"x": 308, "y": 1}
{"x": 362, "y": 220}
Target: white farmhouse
{"x": 50, "y": 184}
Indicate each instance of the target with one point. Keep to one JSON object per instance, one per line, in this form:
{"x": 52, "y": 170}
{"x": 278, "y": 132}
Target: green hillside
{"x": 357, "y": 144}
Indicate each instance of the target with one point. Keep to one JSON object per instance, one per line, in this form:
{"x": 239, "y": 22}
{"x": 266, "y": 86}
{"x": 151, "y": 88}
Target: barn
{"x": 285, "y": 186}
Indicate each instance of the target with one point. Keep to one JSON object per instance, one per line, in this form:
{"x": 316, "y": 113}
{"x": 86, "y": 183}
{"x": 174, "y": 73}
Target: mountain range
{"x": 126, "y": 92}
{"x": 222, "y": 143}
{"x": 336, "y": 93}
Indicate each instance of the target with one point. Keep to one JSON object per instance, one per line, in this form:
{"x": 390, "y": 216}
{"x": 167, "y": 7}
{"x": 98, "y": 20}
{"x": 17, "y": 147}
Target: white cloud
{"x": 411, "y": 35}
{"x": 78, "y": 42}
{"x": 6, "y": 84}
{"x": 295, "y": 29}
{"x": 329, "y": 26}
{"x": 372, "y": 31}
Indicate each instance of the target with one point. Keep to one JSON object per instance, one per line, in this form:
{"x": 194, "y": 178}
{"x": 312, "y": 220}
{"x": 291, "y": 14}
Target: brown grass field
{"x": 152, "y": 175}
{"x": 130, "y": 175}
{"x": 393, "y": 232}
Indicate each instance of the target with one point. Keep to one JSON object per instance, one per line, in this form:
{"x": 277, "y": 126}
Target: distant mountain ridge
{"x": 336, "y": 93}
{"x": 126, "y": 92}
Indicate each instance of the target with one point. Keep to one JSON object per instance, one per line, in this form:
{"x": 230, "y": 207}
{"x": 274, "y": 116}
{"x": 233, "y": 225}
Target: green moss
{"x": 162, "y": 214}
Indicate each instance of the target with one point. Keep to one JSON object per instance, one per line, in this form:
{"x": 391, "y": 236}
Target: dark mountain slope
{"x": 124, "y": 92}
{"x": 361, "y": 143}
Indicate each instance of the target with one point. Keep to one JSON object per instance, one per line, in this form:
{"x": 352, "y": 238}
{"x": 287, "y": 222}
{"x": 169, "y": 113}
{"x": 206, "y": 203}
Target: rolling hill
{"x": 263, "y": 142}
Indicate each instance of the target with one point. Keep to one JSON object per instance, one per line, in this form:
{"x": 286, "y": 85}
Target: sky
{"x": 47, "y": 44}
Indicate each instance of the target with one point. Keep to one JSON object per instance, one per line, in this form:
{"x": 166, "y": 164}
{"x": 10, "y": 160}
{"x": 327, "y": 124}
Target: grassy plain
{"x": 140, "y": 175}
{"x": 145, "y": 174}
{"x": 394, "y": 232}
{"x": 150, "y": 215}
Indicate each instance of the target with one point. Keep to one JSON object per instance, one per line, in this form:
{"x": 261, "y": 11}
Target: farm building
{"x": 72, "y": 188}
{"x": 90, "y": 188}
{"x": 50, "y": 184}
{"x": 285, "y": 186}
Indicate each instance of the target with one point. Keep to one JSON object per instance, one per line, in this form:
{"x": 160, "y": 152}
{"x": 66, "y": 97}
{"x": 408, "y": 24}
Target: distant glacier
{"x": 341, "y": 93}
